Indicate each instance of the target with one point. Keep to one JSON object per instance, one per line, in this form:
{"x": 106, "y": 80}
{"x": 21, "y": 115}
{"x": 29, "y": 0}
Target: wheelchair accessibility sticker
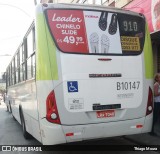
{"x": 72, "y": 86}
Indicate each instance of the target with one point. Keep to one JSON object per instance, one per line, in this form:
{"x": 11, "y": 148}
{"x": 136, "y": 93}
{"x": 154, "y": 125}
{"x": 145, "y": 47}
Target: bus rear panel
{"x": 102, "y": 89}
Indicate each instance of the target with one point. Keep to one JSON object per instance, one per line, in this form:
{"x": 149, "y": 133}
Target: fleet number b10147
{"x": 128, "y": 85}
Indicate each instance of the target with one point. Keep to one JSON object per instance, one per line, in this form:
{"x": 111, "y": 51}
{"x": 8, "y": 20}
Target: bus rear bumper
{"x": 148, "y": 123}
{"x": 57, "y": 134}
{"x": 111, "y": 129}
{"x": 51, "y": 133}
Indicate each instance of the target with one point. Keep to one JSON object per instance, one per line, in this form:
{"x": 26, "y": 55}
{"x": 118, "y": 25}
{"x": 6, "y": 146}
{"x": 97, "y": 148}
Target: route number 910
{"x": 128, "y": 85}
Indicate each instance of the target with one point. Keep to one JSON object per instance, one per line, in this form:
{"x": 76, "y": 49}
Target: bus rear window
{"x": 96, "y": 32}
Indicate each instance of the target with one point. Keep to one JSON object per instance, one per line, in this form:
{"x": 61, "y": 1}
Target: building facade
{"x": 114, "y": 3}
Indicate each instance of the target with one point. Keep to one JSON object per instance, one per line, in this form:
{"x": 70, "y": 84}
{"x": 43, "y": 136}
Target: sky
{"x": 15, "y": 18}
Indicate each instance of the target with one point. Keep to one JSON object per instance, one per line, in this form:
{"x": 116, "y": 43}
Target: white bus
{"x": 82, "y": 72}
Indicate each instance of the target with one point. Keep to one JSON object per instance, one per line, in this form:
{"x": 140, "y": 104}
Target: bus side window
{"x": 10, "y": 75}
{"x": 18, "y": 66}
{"x": 31, "y": 54}
{"x": 13, "y": 72}
{"x": 29, "y": 70}
{"x": 33, "y": 65}
{"x": 31, "y": 42}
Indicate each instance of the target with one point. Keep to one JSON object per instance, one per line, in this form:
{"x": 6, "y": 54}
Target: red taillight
{"x": 139, "y": 126}
{"x": 51, "y": 107}
{"x": 149, "y": 109}
{"x": 70, "y": 134}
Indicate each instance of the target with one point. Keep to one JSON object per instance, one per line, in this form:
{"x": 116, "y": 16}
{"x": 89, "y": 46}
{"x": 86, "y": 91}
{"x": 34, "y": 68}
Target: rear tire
{"x": 10, "y": 111}
{"x": 10, "y": 108}
{"x": 25, "y": 133}
{"x": 7, "y": 109}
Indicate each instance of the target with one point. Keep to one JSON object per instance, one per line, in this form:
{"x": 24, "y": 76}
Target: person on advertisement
{"x": 156, "y": 111}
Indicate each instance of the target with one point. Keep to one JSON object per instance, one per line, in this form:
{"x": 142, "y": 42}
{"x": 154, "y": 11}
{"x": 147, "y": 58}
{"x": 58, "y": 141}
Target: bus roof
{"x": 86, "y": 7}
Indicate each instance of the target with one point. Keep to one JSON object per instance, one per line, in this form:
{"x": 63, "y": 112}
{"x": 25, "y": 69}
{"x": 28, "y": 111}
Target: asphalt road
{"x": 11, "y": 134}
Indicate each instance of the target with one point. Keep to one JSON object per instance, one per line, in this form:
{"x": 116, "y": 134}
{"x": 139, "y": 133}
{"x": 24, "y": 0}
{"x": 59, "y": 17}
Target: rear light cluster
{"x": 52, "y": 111}
{"x": 70, "y": 134}
{"x": 149, "y": 109}
{"x": 139, "y": 126}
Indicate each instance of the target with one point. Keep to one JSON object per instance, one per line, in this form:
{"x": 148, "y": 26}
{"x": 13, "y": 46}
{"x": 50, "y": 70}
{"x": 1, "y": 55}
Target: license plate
{"x": 105, "y": 114}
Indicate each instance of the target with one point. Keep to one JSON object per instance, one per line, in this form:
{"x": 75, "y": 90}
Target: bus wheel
{"x": 10, "y": 108}
{"x": 7, "y": 109}
{"x": 10, "y": 111}
{"x": 25, "y": 133}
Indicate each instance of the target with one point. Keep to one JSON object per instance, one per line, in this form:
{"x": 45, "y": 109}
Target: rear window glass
{"x": 96, "y": 32}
